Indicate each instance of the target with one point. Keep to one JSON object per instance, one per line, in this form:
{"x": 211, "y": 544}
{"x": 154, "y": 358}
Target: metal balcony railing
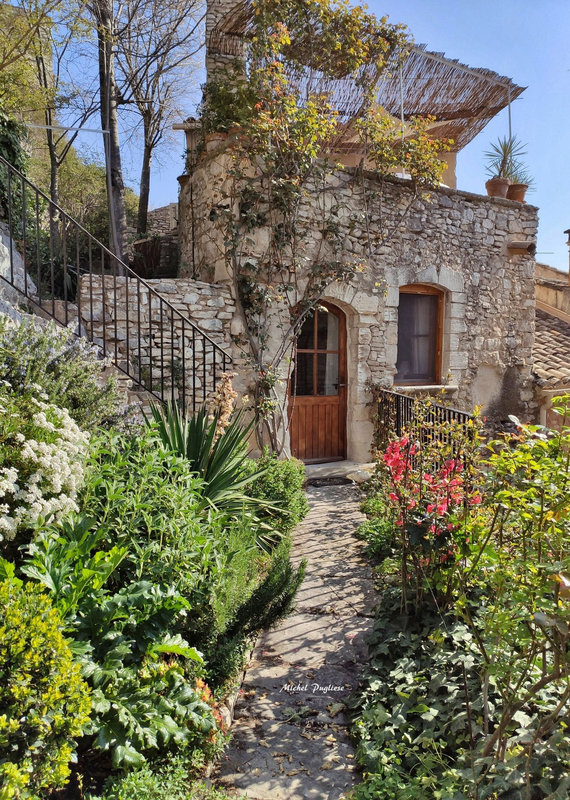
{"x": 77, "y": 281}
{"x": 424, "y": 420}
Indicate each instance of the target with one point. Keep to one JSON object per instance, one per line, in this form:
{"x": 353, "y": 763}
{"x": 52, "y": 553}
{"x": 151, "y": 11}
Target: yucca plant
{"x": 218, "y": 457}
{"x": 504, "y": 158}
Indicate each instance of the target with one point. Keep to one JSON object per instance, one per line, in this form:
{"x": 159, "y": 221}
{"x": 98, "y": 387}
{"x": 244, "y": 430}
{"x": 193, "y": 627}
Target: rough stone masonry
{"x": 466, "y": 245}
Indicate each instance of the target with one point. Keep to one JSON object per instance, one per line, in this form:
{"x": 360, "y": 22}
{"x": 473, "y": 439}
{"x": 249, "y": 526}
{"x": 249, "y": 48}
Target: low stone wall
{"x": 137, "y": 329}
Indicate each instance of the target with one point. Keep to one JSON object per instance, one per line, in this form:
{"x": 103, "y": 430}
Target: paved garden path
{"x": 290, "y": 738}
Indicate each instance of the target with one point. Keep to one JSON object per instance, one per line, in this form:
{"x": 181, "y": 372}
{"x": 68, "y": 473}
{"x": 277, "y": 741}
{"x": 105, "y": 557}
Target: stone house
{"x": 447, "y": 305}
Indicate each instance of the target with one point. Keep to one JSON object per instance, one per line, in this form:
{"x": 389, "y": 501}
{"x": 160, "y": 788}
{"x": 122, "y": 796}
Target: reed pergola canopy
{"x": 461, "y": 98}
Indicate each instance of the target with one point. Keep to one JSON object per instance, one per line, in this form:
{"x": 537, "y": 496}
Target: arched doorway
{"x": 317, "y": 390}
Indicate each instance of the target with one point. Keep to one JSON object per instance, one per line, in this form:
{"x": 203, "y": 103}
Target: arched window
{"x": 420, "y": 327}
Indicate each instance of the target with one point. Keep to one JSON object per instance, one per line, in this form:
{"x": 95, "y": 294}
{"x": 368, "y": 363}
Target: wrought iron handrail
{"x": 160, "y": 349}
{"x": 397, "y": 412}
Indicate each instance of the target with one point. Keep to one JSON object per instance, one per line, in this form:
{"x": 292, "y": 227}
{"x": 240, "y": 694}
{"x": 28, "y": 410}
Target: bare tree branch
{"x": 155, "y": 71}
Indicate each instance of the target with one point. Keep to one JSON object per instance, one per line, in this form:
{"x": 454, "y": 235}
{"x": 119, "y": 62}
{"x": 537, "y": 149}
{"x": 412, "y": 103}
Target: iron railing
{"x": 74, "y": 279}
{"x": 399, "y": 413}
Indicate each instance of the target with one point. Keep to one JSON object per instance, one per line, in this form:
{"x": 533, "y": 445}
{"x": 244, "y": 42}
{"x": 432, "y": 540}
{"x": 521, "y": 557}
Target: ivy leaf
{"x": 430, "y": 715}
{"x": 523, "y": 719}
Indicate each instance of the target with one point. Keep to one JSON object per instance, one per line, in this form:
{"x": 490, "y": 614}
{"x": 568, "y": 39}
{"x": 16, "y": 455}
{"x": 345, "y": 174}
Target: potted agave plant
{"x": 520, "y": 182}
{"x": 503, "y": 164}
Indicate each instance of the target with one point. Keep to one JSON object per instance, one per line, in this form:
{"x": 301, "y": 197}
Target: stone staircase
{"x": 51, "y": 263}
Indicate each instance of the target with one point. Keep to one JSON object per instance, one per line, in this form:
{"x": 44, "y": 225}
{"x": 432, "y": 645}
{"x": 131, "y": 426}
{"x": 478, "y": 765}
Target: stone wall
{"x": 455, "y": 241}
{"x": 221, "y": 50}
{"x": 201, "y": 245}
{"x": 162, "y": 220}
{"x": 138, "y": 328}
{"x": 156, "y": 257}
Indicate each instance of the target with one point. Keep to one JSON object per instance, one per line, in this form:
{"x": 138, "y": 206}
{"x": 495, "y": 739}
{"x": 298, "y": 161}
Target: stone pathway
{"x": 290, "y": 736}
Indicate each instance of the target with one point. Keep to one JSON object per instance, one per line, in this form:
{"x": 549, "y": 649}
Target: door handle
{"x": 341, "y": 385}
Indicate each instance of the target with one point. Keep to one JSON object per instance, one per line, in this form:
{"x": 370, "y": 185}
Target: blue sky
{"x": 526, "y": 40}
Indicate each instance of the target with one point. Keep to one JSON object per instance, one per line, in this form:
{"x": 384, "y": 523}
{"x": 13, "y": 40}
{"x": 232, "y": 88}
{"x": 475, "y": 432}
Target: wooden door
{"x": 317, "y": 393}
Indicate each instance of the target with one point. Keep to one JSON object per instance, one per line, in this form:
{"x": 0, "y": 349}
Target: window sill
{"x": 444, "y": 388}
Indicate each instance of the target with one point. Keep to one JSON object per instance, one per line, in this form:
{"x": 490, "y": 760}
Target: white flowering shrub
{"x": 66, "y": 367}
{"x": 42, "y": 456}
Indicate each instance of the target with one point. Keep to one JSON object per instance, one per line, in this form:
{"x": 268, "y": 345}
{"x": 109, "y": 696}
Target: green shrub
{"x": 281, "y": 483}
{"x": 149, "y": 501}
{"x": 142, "y": 672}
{"x": 378, "y": 533}
{"x": 44, "y": 704}
{"x": 379, "y": 529}
{"x": 375, "y": 506}
{"x": 169, "y": 781}
{"x": 12, "y": 137}
{"x": 468, "y": 693}
{"x": 145, "y": 696}
{"x": 42, "y": 454}
{"x": 65, "y": 367}
{"x": 423, "y": 706}
{"x": 270, "y": 601}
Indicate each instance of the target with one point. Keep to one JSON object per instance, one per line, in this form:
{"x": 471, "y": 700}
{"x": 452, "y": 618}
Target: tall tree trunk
{"x": 103, "y": 13}
{"x": 54, "y": 219}
{"x": 144, "y": 189}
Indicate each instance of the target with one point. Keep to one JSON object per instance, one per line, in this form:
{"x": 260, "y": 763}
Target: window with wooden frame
{"x": 420, "y": 335}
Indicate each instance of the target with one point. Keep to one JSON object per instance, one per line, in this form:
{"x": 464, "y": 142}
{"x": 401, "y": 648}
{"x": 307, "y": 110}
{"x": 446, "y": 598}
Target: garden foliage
{"x": 166, "y": 781}
{"x": 275, "y": 478}
{"x": 44, "y": 703}
{"x": 152, "y": 498}
{"x": 215, "y": 450}
{"x": 67, "y": 369}
{"x": 157, "y": 588}
{"x": 42, "y": 454}
{"x": 468, "y": 695}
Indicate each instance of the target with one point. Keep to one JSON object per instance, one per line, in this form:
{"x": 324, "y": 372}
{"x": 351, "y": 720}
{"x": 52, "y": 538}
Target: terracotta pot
{"x": 517, "y": 192}
{"x": 497, "y": 187}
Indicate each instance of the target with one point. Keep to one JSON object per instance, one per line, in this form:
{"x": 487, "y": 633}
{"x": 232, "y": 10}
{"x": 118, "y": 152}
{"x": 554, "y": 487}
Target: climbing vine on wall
{"x": 280, "y": 216}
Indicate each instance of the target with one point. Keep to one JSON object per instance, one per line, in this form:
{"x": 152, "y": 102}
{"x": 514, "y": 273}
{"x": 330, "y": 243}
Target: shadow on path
{"x": 290, "y": 738}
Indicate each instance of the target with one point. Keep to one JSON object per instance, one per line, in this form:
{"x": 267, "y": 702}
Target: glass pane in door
{"x": 327, "y": 329}
{"x": 306, "y": 338}
{"x": 327, "y": 374}
{"x": 302, "y": 377}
